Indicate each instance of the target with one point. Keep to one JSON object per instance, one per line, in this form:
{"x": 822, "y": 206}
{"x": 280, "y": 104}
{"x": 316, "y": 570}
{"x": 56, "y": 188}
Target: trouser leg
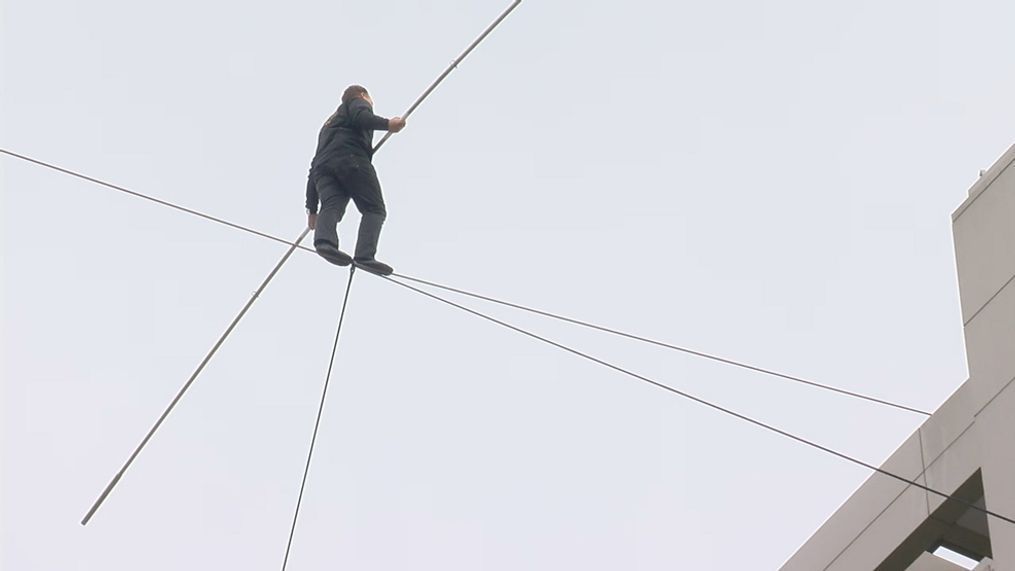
{"x": 333, "y": 204}
{"x": 365, "y": 191}
{"x": 369, "y": 236}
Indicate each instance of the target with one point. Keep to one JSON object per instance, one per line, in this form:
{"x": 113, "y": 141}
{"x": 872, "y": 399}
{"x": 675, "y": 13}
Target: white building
{"x": 967, "y": 448}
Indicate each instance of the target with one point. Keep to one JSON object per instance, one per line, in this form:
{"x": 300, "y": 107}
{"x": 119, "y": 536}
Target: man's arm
{"x": 312, "y": 200}
{"x": 362, "y": 117}
{"x": 312, "y": 197}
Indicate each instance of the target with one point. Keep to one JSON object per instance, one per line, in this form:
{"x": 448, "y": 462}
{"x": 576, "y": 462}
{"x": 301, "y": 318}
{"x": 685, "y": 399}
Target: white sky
{"x": 771, "y": 182}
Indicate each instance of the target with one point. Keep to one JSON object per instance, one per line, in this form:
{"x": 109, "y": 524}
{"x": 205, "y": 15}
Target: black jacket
{"x": 349, "y": 131}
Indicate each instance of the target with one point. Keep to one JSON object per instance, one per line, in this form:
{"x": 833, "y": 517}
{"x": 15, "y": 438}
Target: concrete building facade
{"x": 967, "y": 447}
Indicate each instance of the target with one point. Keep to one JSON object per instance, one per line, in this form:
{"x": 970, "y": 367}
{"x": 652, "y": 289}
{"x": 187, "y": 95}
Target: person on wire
{"x": 341, "y": 170}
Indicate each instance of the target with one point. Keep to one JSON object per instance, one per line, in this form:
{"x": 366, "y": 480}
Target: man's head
{"x": 356, "y": 92}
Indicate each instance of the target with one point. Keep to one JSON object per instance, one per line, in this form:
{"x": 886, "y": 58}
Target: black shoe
{"x": 333, "y": 254}
{"x": 374, "y": 267}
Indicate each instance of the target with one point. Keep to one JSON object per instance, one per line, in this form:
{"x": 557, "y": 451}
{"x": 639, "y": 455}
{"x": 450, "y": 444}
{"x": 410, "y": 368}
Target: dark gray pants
{"x": 355, "y": 178}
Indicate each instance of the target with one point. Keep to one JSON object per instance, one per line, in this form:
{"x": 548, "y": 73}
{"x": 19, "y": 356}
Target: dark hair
{"x": 352, "y": 92}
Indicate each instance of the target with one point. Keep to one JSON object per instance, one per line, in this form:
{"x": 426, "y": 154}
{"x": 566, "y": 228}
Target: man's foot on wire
{"x": 374, "y": 267}
{"x": 333, "y": 254}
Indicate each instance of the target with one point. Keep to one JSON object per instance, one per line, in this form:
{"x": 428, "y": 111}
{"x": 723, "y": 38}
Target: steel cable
{"x": 700, "y": 401}
{"x": 320, "y": 412}
{"x": 686, "y": 350}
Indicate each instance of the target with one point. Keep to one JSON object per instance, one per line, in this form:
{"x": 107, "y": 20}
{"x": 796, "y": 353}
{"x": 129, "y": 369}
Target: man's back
{"x": 349, "y": 131}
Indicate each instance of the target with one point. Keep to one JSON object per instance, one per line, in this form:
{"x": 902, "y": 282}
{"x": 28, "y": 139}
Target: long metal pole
{"x": 193, "y": 377}
{"x": 451, "y": 67}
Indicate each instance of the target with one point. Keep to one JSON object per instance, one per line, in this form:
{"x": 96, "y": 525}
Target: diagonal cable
{"x": 151, "y": 198}
{"x": 320, "y": 412}
{"x": 686, "y": 350}
{"x": 701, "y": 401}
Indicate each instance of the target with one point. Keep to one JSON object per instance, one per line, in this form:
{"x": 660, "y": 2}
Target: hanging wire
{"x": 320, "y": 412}
{"x": 148, "y": 197}
{"x": 700, "y": 401}
{"x": 634, "y": 337}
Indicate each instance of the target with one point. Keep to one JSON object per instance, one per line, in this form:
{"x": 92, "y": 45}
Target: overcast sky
{"x": 767, "y": 181}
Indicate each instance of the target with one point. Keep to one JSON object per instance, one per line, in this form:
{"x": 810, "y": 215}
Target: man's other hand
{"x": 396, "y": 124}
{"x": 312, "y": 221}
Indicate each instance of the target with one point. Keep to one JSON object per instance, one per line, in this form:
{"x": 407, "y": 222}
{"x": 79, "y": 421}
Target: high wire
{"x": 320, "y": 412}
{"x": 686, "y": 350}
{"x": 574, "y": 321}
{"x": 701, "y": 401}
{"x": 151, "y": 198}
{"x": 293, "y": 246}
